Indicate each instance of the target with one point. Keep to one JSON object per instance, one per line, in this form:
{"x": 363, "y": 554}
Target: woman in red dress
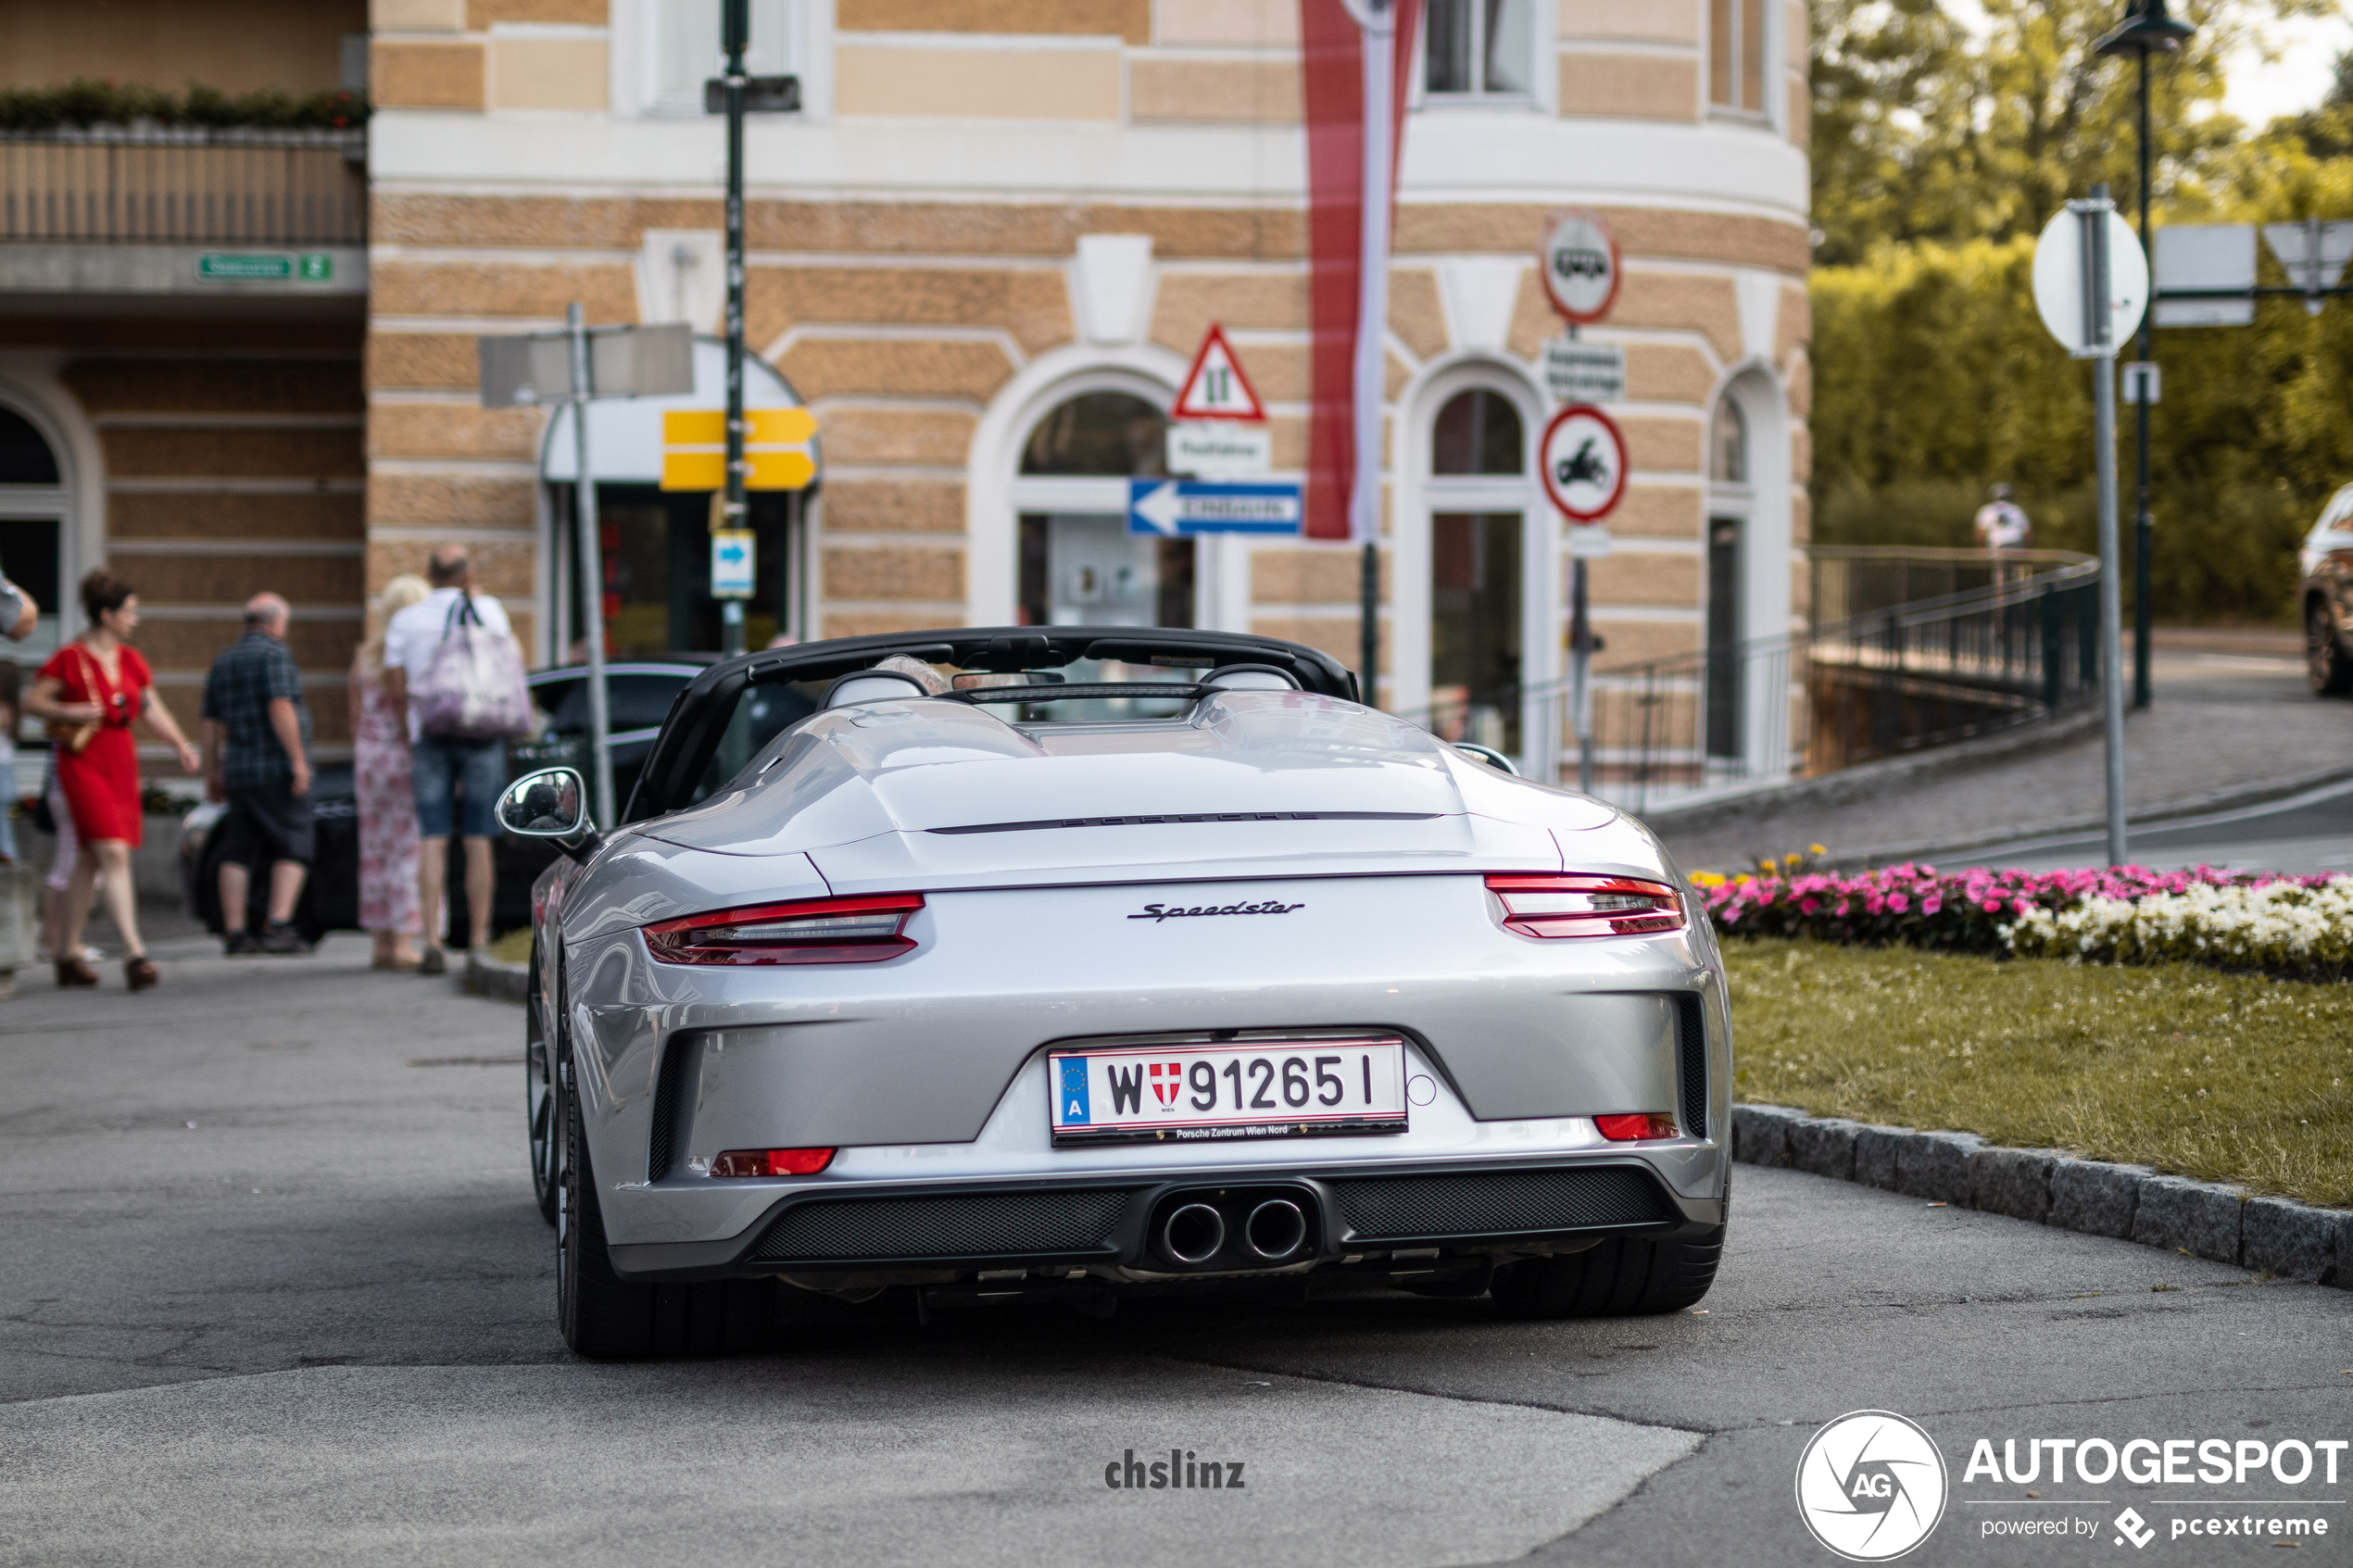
{"x": 90, "y": 691}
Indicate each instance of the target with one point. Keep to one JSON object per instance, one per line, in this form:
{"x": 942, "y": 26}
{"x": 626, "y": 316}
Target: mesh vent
{"x": 1497, "y": 1203}
{"x": 981, "y": 1225}
{"x": 1691, "y": 1046}
{"x": 664, "y": 1145}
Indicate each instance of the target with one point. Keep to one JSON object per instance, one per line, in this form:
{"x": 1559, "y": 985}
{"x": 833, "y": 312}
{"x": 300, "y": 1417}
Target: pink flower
{"x": 1898, "y": 902}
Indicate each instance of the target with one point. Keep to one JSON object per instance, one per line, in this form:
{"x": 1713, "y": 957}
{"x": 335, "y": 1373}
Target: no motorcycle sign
{"x": 1584, "y": 458}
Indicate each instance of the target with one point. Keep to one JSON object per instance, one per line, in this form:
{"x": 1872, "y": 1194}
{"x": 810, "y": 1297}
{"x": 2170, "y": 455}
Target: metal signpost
{"x": 2091, "y": 286}
{"x": 578, "y": 366}
{"x": 734, "y": 94}
{"x": 1582, "y": 454}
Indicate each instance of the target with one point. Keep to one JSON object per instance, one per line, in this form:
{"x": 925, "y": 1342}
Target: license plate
{"x": 1212, "y": 1092}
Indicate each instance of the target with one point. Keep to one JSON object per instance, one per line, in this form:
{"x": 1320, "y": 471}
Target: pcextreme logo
{"x": 1871, "y": 1485}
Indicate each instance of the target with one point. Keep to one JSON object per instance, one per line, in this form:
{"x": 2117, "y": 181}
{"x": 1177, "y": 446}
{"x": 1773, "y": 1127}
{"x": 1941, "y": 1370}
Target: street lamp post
{"x": 735, "y": 29}
{"x": 2145, "y": 29}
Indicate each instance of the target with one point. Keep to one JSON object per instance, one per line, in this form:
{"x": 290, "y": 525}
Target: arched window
{"x": 1478, "y": 432}
{"x": 33, "y": 509}
{"x": 25, "y": 459}
{"x": 1106, "y": 433}
{"x": 1477, "y": 568}
{"x": 1728, "y": 456}
{"x": 1078, "y": 564}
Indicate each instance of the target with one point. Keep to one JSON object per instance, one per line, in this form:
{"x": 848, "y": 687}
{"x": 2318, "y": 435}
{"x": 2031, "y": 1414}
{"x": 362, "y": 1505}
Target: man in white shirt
{"x": 2001, "y": 523}
{"x": 474, "y": 773}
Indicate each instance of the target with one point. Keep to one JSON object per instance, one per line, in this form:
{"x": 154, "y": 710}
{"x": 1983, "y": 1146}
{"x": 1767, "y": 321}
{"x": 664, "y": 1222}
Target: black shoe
{"x": 280, "y": 937}
{"x": 432, "y": 962}
{"x": 239, "y": 943}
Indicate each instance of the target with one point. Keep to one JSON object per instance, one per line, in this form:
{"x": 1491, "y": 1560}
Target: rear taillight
{"x": 1586, "y": 905}
{"x": 1626, "y": 1129}
{"x": 772, "y": 1161}
{"x": 863, "y": 930}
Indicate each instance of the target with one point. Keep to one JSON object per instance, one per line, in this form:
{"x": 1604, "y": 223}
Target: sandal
{"x": 75, "y": 971}
{"x": 138, "y": 972}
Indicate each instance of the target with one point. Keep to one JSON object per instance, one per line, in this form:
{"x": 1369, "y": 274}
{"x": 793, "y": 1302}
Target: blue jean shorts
{"x": 475, "y": 770}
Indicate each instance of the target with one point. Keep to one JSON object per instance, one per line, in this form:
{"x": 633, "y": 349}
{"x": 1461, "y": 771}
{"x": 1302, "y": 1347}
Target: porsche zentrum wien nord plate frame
{"x": 1199, "y": 1093}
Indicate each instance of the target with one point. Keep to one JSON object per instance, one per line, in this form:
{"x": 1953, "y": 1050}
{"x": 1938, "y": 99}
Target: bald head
{"x": 449, "y": 568}
{"x": 266, "y": 612}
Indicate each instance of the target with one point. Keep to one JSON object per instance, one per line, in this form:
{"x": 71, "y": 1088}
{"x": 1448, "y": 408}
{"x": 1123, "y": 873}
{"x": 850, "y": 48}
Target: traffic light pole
{"x": 735, "y": 35}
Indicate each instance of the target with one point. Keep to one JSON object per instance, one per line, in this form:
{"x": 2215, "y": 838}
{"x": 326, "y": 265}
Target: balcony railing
{"x": 156, "y": 185}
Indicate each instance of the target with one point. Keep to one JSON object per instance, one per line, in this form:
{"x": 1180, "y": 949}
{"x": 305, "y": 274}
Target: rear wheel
{"x": 2326, "y": 665}
{"x": 1625, "y": 1276}
{"x": 605, "y": 1317}
{"x": 539, "y": 1101}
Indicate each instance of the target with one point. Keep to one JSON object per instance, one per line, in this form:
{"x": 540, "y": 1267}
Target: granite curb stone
{"x": 2200, "y": 1218}
{"x": 2276, "y": 1236}
{"x": 1824, "y": 1145}
{"x": 2294, "y": 1240}
{"x": 1935, "y": 1166}
{"x": 497, "y": 979}
{"x": 1875, "y": 1150}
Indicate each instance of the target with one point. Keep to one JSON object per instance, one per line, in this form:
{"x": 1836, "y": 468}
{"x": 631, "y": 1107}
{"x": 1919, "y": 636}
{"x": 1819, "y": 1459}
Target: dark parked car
{"x": 639, "y": 696}
{"x": 2326, "y": 598}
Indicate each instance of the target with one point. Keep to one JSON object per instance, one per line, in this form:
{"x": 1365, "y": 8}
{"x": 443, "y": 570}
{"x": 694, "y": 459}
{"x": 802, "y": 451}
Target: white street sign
{"x": 1221, "y": 449}
{"x": 2313, "y": 253}
{"x": 2058, "y": 282}
{"x": 1180, "y": 507}
{"x": 2206, "y": 255}
{"x": 2144, "y": 382}
{"x": 1580, "y": 266}
{"x": 1589, "y": 540}
{"x": 1584, "y": 458}
{"x": 1578, "y": 372}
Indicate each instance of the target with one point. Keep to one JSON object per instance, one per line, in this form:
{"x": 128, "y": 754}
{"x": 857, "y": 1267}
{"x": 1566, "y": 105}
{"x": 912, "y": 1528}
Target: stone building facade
{"x": 983, "y": 251}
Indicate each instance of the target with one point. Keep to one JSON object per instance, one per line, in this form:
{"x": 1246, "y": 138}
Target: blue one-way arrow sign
{"x": 1205, "y": 506}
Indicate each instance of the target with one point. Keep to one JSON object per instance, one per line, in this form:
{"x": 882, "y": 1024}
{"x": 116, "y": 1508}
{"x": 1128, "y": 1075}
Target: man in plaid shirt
{"x": 257, "y": 734}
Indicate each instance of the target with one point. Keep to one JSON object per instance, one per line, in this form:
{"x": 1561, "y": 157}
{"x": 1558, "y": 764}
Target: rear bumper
{"x": 1104, "y": 1226}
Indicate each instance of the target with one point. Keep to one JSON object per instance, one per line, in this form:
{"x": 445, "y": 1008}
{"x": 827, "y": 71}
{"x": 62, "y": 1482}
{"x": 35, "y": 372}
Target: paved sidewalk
{"x": 2222, "y": 720}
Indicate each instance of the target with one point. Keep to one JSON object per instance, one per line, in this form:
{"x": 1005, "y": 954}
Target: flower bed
{"x": 2286, "y": 924}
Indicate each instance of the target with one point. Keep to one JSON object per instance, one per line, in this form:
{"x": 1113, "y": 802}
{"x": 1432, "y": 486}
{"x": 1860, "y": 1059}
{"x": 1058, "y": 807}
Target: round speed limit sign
{"x": 1581, "y": 267}
{"x": 1585, "y": 462}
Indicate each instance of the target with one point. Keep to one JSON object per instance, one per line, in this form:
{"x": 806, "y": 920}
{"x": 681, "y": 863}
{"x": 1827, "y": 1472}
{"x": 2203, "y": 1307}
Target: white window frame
{"x": 796, "y": 22}
{"x": 1535, "y": 95}
{"x": 1769, "y": 67}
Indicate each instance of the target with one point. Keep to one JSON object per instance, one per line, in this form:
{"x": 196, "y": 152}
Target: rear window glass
{"x": 636, "y": 701}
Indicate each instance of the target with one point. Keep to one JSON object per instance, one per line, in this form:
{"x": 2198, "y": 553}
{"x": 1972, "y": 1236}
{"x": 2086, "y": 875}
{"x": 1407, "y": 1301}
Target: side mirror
{"x": 1488, "y": 755}
{"x": 550, "y": 804}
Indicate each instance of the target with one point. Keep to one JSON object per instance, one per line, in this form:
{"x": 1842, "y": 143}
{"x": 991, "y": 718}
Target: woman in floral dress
{"x": 387, "y": 805}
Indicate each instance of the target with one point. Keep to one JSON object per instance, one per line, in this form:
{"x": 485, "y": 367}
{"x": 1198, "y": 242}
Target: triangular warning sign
{"x": 1215, "y": 388}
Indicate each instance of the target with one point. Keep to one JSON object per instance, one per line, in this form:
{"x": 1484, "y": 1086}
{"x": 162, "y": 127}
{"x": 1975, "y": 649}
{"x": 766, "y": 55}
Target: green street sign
{"x": 312, "y": 266}
{"x": 218, "y": 265}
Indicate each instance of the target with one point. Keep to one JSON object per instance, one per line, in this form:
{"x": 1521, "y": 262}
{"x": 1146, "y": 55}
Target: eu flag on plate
{"x": 1074, "y": 1091}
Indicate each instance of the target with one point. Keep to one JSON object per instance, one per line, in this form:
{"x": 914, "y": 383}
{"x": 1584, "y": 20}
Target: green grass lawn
{"x": 2224, "y": 1077}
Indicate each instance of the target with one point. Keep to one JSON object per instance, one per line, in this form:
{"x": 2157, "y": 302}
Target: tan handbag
{"x": 76, "y": 738}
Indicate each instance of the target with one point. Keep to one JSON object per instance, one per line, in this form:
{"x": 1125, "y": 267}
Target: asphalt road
{"x": 274, "y": 1294}
{"x": 2309, "y": 833}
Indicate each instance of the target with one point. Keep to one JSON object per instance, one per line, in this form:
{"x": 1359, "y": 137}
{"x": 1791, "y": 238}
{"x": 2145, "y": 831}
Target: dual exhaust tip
{"x": 1194, "y": 1232}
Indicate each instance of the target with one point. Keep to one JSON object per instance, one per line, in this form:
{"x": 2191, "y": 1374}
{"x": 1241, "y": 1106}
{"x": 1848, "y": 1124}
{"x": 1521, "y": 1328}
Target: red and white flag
{"x": 1355, "y": 56}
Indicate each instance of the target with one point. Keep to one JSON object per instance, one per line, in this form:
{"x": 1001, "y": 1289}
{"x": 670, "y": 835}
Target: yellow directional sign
{"x": 694, "y": 448}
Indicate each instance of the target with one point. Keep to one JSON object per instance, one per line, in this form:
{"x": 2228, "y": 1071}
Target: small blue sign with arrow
{"x": 1180, "y": 507}
{"x": 734, "y": 568}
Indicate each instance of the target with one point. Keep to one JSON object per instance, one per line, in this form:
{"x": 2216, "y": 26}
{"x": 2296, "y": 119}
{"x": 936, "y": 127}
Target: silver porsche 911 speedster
{"x": 1069, "y": 964}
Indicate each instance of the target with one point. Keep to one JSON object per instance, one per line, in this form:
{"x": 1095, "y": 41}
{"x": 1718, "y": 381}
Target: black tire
{"x": 2327, "y": 667}
{"x": 1624, "y": 1277}
{"x": 540, "y": 1125}
{"x": 604, "y": 1317}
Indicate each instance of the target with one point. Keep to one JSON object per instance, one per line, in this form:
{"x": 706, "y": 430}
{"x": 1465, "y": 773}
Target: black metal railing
{"x": 1848, "y": 581}
{"x": 1898, "y": 680}
{"x": 175, "y": 185}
